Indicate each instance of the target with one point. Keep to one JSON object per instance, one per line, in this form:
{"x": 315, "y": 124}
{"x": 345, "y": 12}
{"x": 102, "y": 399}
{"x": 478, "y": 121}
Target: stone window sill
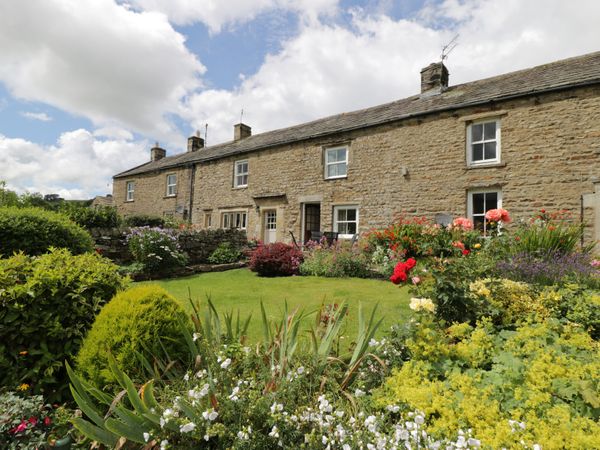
{"x": 170, "y": 196}
{"x": 486, "y": 166}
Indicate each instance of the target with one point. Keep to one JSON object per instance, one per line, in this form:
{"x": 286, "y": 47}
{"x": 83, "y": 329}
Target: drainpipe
{"x": 581, "y": 218}
{"x": 192, "y": 182}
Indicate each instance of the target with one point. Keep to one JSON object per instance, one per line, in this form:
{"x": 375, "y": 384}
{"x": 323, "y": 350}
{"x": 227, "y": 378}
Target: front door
{"x": 270, "y": 221}
{"x": 312, "y": 219}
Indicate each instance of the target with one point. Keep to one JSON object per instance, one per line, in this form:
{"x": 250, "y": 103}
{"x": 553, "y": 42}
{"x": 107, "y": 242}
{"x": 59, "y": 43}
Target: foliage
{"x": 144, "y": 320}
{"x": 34, "y": 231}
{"x": 156, "y": 248}
{"x": 89, "y": 218}
{"x": 536, "y": 384}
{"x": 144, "y": 220}
{"x": 225, "y": 253}
{"x": 550, "y": 233}
{"x": 47, "y": 305}
{"x": 25, "y": 422}
{"x": 341, "y": 259}
{"x": 549, "y": 268}
{"x": 274, "y": 260}
{"x": 417, "y": 237}
{"x": 200, "y": 244}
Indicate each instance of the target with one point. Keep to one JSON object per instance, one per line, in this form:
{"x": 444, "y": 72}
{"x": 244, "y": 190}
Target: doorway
{"x": 312, "y": 220}
{"x": 270, "y": 221}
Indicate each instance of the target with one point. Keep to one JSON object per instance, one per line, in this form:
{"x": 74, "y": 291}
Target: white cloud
{"x": 99, "y": 60}
{"x": 79, "y": 166}
{"x": 216, "y": 14}
{"x": 43, "y": 117}
{"x": 329, "y": 69}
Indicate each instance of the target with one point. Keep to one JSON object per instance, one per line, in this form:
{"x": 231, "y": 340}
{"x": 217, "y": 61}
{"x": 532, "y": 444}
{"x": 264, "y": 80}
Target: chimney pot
{"x": 157, "y": 153}
{"x": 241, "y": 131}
{"x": 434, "y": 78}
{"x": 195, "y": 143}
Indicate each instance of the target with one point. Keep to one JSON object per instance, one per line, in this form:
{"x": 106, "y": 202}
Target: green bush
{"x": 339, "y": 260}
{"x": 47, "y": 305}
{"x": 143, "y": 220}
{"x": 34, "y": 231}
{"x": 200, "y": 244}
{"x": 143, "y": 320}
{"x": 157, "y": 249}
{"x": 537, "y": 384}
{"x": 224, "y": 254}
{"x": 89, "y": 218}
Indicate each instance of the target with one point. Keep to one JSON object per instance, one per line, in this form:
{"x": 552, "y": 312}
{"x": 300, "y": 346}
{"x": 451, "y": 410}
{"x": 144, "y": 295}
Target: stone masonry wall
{"x": 150, "y": 196}
{"x": 550, "y": 150}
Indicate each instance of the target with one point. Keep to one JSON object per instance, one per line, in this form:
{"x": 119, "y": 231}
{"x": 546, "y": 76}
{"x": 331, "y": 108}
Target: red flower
{"x": 410, "y": 263}
{"x": 47, "y": 421}
{"x": 33, "y": 421}
{"x": 19, "y": 428}
{"x": 458, "y": 244}
{"x": 465, "y": 252}
{"x": 398, "y": 277}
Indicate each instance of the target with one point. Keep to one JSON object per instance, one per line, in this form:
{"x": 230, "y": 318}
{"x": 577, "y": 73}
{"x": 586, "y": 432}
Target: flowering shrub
{"x": 340, "y": 259}
{"x": 47, "y": 305}
{"x": 156, "y": 248}
{"x": 25, "y": 422}
{"x": 401, "y": 270}
{"x": 535, "y": 385}
{"x": 274, "y": 260}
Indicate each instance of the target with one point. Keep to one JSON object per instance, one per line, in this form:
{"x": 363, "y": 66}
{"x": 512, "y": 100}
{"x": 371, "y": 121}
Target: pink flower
{"x": 19, "y": 428}
{"x": 462, "y": 222}
{"x": 47, "y": 421}
{"x": 415, "y": 280}
{"x": 458, "y": 244}
{"x": 497, "y": 215}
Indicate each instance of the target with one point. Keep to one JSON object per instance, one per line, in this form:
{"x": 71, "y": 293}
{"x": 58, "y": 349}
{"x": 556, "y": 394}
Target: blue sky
{"x": 87, "y": 86}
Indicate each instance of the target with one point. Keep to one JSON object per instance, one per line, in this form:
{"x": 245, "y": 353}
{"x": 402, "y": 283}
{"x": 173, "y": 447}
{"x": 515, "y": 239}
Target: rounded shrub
{"x": 276, "y": 260}
{"x": 144, "y": 320}
{"x": 47, "y": 305}
{"x": 34, "y": 231}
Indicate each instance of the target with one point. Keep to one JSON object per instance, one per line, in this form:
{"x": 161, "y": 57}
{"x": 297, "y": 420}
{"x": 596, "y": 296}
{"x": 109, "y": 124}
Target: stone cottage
{"x": 523, "y": 141}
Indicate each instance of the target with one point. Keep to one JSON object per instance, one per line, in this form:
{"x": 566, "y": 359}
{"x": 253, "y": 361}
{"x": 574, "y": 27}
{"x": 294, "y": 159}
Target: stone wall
{"x": 550, "y": 149}
{"x": 150, "y": 196}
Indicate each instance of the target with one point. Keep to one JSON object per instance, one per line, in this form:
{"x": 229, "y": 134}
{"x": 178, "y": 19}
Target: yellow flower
{"x": 23, "y": 353}
{"x": 418, "y": 304}
{"x": 478, "y": 245}
{"x": 23, "y": 387}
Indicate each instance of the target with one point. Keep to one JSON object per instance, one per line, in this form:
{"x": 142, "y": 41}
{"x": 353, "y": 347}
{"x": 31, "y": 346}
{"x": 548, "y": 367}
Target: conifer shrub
{"x": 144, "y": 320}
{"x": 47, "y": 305}
{"x": 34, "y": 230}
{"x": 276, "y": 260}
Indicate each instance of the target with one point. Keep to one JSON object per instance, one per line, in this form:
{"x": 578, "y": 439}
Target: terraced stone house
{"x": 523, "y": 141}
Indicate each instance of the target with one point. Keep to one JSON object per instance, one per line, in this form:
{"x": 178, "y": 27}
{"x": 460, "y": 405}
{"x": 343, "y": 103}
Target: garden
{"x": 415, "y": 336}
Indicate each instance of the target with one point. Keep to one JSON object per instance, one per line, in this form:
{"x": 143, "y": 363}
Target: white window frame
{"x": 234, "y": 219}
{"x": 470, "y": 143}
{"x": 332, "y": 163}
{"x": 237, "y": 174}
{"x": 336, "y": 222}
{"x": 129, "y": 191}
{"x": 208, "y": 219}
{"x": 171, "y": 187}
{"x": 470, "y": 214}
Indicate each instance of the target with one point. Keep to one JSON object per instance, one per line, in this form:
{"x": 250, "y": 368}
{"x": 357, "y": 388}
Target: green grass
{"x": 243, "y": 290}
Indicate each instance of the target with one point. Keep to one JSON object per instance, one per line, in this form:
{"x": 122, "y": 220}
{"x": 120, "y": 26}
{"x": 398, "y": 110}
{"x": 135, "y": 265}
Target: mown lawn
{"x": 243, "y": 290}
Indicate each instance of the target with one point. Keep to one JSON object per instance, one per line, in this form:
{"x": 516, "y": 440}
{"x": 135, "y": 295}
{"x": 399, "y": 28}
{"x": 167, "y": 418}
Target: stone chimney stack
{"x": 434, "y": 78}
{"x": 241, "y": 131}
{"x": 157, "y": 153}
{"x": 195, "y": 143}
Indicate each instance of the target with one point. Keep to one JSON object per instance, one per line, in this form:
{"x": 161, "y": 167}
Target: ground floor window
{"x": 207, "y": 220}
{"x": 234, "y": 219}
{"x": 345, "y": 221}
{"x": 480, "y": 202}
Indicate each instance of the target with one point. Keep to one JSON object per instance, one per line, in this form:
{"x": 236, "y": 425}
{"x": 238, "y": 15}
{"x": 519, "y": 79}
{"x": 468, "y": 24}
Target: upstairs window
{"x": 481, "y": 202}
{"x": 336, "y": 162}
{"x": 483, "y": 142}
{"x": 240, "y": 178}
{"x": 235, "y": 219}
{"x": 345, "y": 221}
{"x": 130, "y": 189}
{"x": 171, "y": 185}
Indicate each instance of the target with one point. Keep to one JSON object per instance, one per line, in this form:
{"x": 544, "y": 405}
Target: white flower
{"x": 359, "y": 393}
{"x": 300, "y": 370}
{"x": 163, "y": 444}
{"x": 210, "y": 414}
{"x": 393, "y": 408}
{"x": 234, "y": 394}
{"x": 196, "y": 336}
{"x": 346, "y": 447}
{"x": 187, "y": 427}
{"x": 225, "y": 364}
{"x": 274, "y": 432}
{"x": 419, "y": 420}
{"x": 146, "y": 437}
{"x": 537, "y": 447}
{"x": 186, "y": 377}
{"x": 476, "y": 443}
{"x": 206, "y": 437}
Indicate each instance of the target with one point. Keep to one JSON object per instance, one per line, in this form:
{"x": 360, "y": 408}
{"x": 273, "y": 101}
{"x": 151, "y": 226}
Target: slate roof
{"x": 567, "y": 73}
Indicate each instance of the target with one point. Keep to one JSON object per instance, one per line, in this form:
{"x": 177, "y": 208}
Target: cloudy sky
{"x": 87, "y": 86}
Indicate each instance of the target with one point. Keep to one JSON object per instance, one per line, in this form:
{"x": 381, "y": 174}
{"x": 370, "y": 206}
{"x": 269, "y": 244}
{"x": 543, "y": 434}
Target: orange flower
{"x": 23, "y": 353}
